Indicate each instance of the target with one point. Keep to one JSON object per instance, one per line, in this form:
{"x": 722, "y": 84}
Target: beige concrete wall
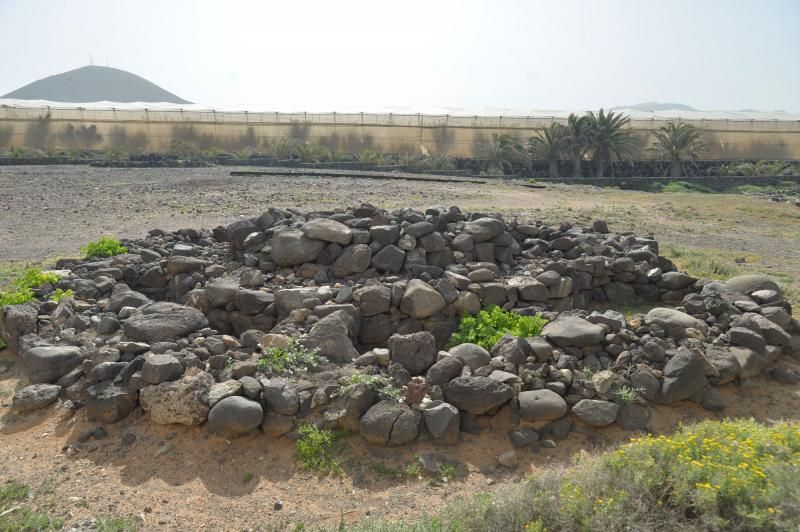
{"x": 144, "y": 130}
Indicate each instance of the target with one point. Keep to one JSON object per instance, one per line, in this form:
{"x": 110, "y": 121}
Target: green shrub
{"x": 14, "y": 516}
{"x": 489, "y": 325}
{"x": 34, "y": 278}
{"x": 294, "y": 358}
{"x": 368, "y": 156}
{"x": 3, "y": 343}
{"x": 317, "y": 449}
{"x": 103, "y": 247}
{"x": 30, "y": 279}
{"x": 377, "y": 383}
{"x": 59, "y": 294}
{"x": 116, "y": 524}
{"x": 17, "y": 297}
{"x": 312, "y": 152}
{"x": 439, "y": 163}
{"x": 730, "y": 475}
{"x": 686, "y": 186}
{"x": 282, "y": 148}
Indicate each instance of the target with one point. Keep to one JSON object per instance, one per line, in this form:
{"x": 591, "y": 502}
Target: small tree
{"x": 676, "y": 141}
{"x": 504, "y": 152}
{"x": 549, "y": 145}
{"x": 579, "y": 141}
{"x": 610, "y": 137}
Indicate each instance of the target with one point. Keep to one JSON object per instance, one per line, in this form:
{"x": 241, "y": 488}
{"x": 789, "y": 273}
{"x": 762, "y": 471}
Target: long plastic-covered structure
{"x": 454, "y": 131}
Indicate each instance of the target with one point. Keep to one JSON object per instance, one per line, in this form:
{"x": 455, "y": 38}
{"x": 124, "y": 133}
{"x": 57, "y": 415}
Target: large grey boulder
{"x": 354, "y": 259}
{"x": 234, "y": 416}
{"x": 476, "y": 395}
{"x": 163, "y": 321}
{"x": 107, "y": 402}
{"x": 420, "y": 300}
{"x": 280, "y": 396}
{"x": 471, "y": 355}
{"x": 347, "y": 410}
{"x": 595, "y": 413}
{"x": 773, "y": 333}
{"x": 328, "y": 230}
{"x": 16, "y": 321}
{"x": 389, "y": 259}
{"x": 724, "y": 364}
{"x": 50, "y": 363}
{"x": 126, "y": 298}
{"x": 332, "y": 336}
{"x": 222, "y": 291}
{"x": 416, "y": 352}
{"x": 750, "y": 283}
{"x": 537, "y": 405}
{"x": 676, "y": 281}
{"x": 571, "y": 331}
{"x": 179, "y": 264}
{"x": 444, "y": 370}
{"x": 34, "y": 397}
{"x": 484, "y": 229}
{"x": 744, "y": 337}
{"x": 253, "y": 301}
{"x": 443, "y": 423}
{"x": 390, "y": 423}
{"x": 221, "y": 390}
{"x": 184, "y": 401}
{"x": 633, "y": 417}
{"x": 684, "y": 376}
{"x": 292, "y": 248}
{"x": 161, "y": 368}
{"x": 373, "y": 300}
{"x": 667, "y": 317}
{"x": 750, "y": 362}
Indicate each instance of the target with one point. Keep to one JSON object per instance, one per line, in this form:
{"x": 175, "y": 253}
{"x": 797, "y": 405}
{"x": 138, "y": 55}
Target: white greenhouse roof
{"x": 432, "y": 111}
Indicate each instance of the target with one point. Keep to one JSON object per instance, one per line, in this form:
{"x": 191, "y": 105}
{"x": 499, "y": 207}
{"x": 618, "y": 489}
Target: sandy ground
{"x": 199, "y": 482}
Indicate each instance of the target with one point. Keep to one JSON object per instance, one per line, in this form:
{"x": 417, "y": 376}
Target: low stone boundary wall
{"x": 180, "y": 324}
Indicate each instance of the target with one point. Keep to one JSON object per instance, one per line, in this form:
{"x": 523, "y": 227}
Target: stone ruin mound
{"x": 178, "y": 324}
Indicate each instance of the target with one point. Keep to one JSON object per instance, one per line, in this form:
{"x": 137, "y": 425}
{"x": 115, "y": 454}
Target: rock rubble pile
{"x": 180, "y": 326}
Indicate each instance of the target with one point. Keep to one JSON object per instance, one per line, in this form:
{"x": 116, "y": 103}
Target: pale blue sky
{"x": 711, "y": 54}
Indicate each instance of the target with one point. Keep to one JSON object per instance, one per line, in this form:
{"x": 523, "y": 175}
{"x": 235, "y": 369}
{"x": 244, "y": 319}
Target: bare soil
{"x": 181, "y": 478}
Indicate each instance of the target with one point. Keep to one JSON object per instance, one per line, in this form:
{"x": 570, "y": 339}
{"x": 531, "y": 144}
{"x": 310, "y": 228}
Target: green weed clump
{"x": 17, "y": 297}
{"x": 15, "y": 515}
{"x": 317, "y": 449}
{"x": 34, "y": 278}
{"x": 30, "y": 279}
{"x": 489, "y": 325}
{"x": 116, "y": 524}
{"x": 730, "y": 475}
{"x": 293, "y": 359}
{"x": 103, "y": 247}
{"x": 377, "y": 383}
{"x": 59, "y": 294}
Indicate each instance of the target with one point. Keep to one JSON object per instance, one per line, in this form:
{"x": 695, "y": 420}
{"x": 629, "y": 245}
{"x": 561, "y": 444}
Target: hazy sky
{"x": 304, "y": 55}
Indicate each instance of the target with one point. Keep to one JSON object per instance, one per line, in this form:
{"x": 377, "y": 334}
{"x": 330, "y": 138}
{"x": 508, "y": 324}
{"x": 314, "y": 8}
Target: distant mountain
{"x": 649, "y": 107}
{"x": 94, "y": 84}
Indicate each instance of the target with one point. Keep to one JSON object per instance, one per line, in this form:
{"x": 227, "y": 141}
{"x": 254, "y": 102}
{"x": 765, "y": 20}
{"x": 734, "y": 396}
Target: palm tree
{"x": 579, "y": 141}
{"x": 676, "y": 141}
{"x": 549, "y": 145}
{"x": 504, "y": 152}
{"x": 610, "y": 137}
